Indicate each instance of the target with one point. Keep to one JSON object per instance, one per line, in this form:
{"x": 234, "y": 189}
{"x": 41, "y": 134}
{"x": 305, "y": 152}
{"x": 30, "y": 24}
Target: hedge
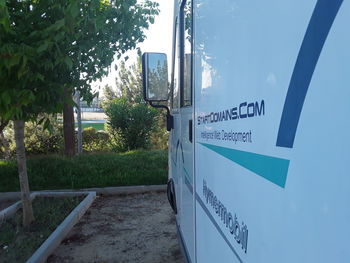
{"x": 88, "y": 170}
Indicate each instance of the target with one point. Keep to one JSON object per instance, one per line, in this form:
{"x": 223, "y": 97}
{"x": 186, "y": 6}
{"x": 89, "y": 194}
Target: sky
{"x": 158, "y": 39}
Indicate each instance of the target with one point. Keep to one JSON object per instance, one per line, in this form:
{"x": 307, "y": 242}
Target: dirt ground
{"x": 122, "y": 229}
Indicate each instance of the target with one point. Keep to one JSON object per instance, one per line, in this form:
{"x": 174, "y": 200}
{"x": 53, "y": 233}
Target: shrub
{"x": 41, "y": 141}
{"x": 95, "y": 141}
{"x": 160, "y": 136}
{"x": 89, "y": 135}
{"x": 129, "y": 124}
{"x": 37, "y": 139}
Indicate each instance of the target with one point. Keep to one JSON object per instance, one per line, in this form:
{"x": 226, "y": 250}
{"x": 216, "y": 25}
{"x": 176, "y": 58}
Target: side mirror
{"x": 155, "y": 82}
{"x": 155, "y": 77}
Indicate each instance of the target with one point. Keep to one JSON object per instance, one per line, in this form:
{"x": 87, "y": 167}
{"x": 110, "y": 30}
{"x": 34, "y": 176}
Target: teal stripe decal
{"x": 271, "y": 168}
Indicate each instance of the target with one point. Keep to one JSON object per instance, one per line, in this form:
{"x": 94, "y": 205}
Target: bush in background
{"x": 43, "y": 141}
{"x": 40, "y": 141}
{"x": 160, "y": 136}
{"x": 95, "y": 141}
{"x": 130, "y": 125}
{"x": 37, "y": 139}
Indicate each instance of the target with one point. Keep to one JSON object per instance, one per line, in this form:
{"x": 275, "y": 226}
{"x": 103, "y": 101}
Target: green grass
{"x": 89, "y": 170}
{"x": 97, "y": 126}
{"x": 20, "y": 243}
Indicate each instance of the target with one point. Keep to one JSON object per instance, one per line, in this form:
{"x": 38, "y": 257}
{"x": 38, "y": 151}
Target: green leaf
{"x": 46, "y": 124}
{"x": 40, "y": 77}
{"x": 74, "y": 9}
{"x": 4, "y": 16}
{"x": 56, "y": 26}
{"x": 41, "y": 120}
{"x": 24, "y": 61}
{"x": 14, "y": 60}
{"x": 22, "y": 72}
{"x": 43, "y": 47}
{"x": 68, "y": 62}
{"x": 5, "y": 97}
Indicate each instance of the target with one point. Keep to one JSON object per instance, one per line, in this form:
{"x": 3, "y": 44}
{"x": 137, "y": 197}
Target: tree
{"x": 48, "y": 48}
{"x": 129, "y": 81}
{"x": 158, "y": 76}
{"x": 24, "y": 90}
{"x": 101, "y": 30}
{"x": 109, "y": 93}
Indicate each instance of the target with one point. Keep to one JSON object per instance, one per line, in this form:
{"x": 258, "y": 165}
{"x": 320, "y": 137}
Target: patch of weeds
{"x": 17, "y": 243}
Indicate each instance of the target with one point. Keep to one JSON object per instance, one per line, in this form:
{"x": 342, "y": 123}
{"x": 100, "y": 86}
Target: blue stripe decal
{"x": 311, "y": 48}
{"x": 187, "y": 181}
{"x": 199, "y": 200}
{"x": 177, "y": 148}
{"x": 271, "y": 168}
{"x": 183, "y": 246}
{"x": 173, "y": 161}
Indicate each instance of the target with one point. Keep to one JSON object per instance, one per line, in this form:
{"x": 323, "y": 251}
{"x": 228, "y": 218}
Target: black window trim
{"x": 180, "y": 25}
{"x": 182, "y": 55}
{"x": 173, "y": 65}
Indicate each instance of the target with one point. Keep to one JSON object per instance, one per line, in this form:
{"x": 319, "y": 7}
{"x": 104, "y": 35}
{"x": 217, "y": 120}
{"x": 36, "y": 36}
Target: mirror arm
{"x": 169, "y": 117}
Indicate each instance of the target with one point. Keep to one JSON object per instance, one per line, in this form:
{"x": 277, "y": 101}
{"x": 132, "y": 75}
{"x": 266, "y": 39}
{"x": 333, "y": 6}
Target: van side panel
{"x": 264, "y": 194}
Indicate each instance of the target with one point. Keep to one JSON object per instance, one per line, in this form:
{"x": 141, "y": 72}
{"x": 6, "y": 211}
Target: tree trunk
{"x": 68, "y": 126}
{"x": 6, "y": 145}
{"x": 28, "y": 216}
{"x": 80, "y": 130}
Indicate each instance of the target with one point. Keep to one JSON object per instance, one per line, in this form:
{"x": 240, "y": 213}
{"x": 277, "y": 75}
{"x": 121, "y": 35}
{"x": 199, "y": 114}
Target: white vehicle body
{"x": 263, "y": 89}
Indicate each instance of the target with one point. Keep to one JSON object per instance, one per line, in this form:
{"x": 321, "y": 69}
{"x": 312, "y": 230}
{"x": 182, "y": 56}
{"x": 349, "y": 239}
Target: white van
{"x": 260, "y": 129}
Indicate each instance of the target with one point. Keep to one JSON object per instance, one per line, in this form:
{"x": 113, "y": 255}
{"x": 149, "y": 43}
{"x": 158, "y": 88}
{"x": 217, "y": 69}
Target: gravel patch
{"x": 122, "y": 229}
